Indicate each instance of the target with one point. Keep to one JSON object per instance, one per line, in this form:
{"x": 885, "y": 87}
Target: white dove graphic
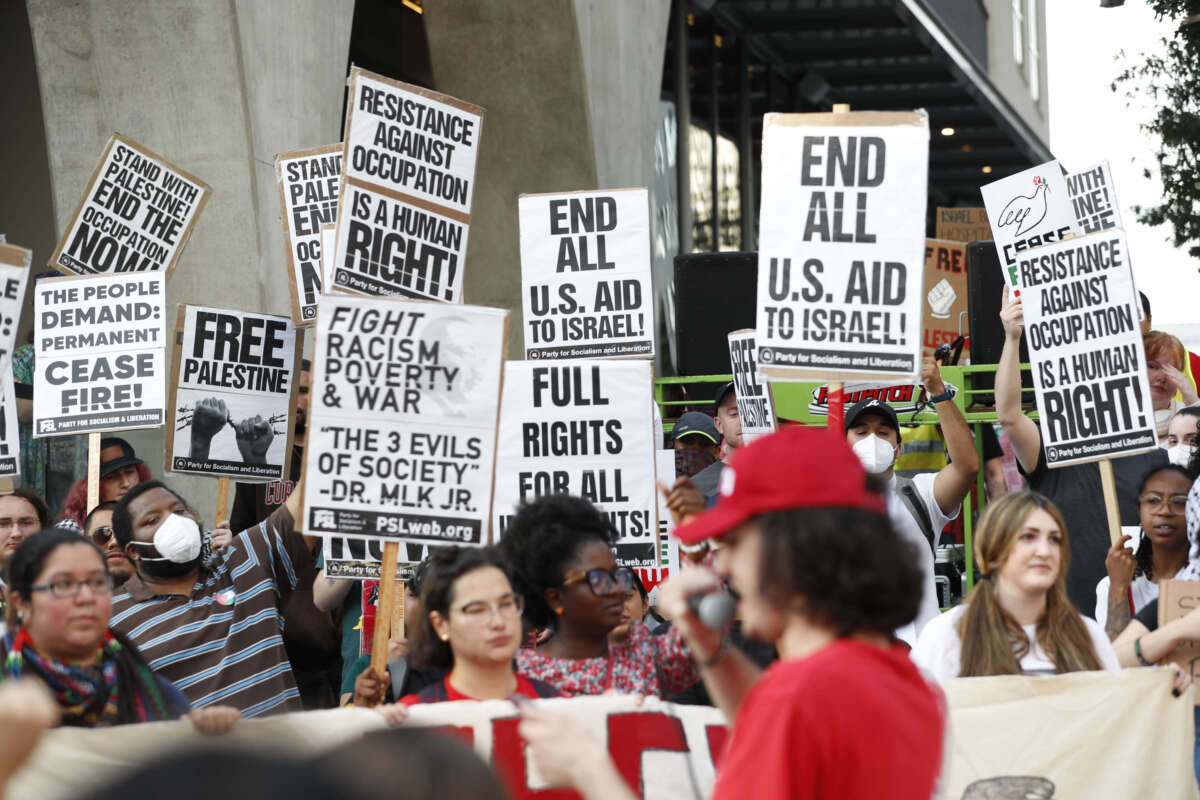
{"x": 1026, "y": 212}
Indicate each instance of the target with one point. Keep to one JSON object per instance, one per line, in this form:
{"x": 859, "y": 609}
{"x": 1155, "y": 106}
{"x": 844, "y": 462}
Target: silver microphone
{"x": 714, "y": 609}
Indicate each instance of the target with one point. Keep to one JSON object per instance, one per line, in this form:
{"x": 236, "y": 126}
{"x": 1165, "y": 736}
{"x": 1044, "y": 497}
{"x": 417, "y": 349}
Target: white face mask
{"x": 177, "y": 540}
{"x": 875, "y": 454}
{"x": 1180, "y": 454}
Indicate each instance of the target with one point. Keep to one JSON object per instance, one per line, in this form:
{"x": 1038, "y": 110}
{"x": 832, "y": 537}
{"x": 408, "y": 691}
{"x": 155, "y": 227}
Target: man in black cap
{"x": 697, "y": 443}
{"x": 920, "y": 506}
{"x": 729, "y": 425}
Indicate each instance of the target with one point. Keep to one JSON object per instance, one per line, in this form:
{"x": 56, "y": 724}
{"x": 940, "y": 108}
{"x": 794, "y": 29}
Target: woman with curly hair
{"x": 559, "y": 551}
{"x": 120, "y": 471}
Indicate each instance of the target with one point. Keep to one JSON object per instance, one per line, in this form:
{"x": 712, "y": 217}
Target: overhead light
{"x": 947, "y": 131}
{"x": 966, "y": 148}
{"x": 987, "y": 170}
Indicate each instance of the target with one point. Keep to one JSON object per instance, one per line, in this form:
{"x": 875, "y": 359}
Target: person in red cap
{"x": 806, "y": 545}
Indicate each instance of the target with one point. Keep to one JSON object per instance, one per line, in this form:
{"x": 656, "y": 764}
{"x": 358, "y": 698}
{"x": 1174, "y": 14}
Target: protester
{"x": 120, "y": 470}
{"x": 213, "y": 631}
{"x": 61, "y": 602}
{"x": 697, "y": 443}
{"x": 729, "y": 425}
{"x": 22, "y": 514}
{"x": 637, "y": 607}
{"x": 559, "y": 550}
{"x": 818, "y": 570}
{"x": 1183, "y": 434}
{"x": 1132, "y": 579}
{"x": 1170, "y": 389}
{"x": 919, "y": 507}
{"x": 98, "y": 527}
{"x": 1076, "y": 489}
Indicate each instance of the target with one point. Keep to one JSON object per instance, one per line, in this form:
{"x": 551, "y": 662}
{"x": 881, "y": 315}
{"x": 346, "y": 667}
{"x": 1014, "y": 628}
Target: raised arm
{"x": 955, "y": 479}
{"x": 1022, "y": 432}
{"x": 328, "y": 594}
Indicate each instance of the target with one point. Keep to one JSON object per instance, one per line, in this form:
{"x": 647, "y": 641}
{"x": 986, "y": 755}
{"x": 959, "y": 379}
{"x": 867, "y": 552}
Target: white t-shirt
{"x": 1143, "y": 592}
{"x": 939, "y": 649}
{"x": 902, "y": 520}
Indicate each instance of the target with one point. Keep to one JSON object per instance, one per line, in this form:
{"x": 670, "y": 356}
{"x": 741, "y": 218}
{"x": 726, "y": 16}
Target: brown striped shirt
{"x": 223, "y": 644}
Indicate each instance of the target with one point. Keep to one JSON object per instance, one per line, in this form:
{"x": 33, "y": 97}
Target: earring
{"x": 559, "y": 611}
{"x": 446, "y": 637}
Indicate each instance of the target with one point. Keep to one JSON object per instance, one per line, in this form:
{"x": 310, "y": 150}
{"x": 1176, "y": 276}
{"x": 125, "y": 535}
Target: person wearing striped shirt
{"x": 215, "y": 630}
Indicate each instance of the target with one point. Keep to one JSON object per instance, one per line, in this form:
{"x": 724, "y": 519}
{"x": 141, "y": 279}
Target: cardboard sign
{"x": 582, "y": 428}
{"x": 348, "y": 558}
{"x": 308, "y": 197}
{"x": 408, "y": 177}
{"x": 404, "y": 406}
{"x": 1085, "y": 350}
{"x": 842, "y": 244}
{"x": 100, "y": 363}
{"x": 962, "y": 224}
{"x": 1094, "y": 200}
{"x": 233, "y": 382}
{"x": 136, "y": 214}
{"x": 585, "y": 274}
{"x": 14, "y": 271}
{"x": 1027, "y": 210}
{"x": 945, "y": 294}
{"x": 1175, "y": 600}
{"x": 755, "y": 410}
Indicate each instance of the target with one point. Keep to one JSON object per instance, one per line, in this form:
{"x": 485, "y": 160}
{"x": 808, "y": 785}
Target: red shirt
{"x": 851, "y": 721}
{"x": 524, "y": 689}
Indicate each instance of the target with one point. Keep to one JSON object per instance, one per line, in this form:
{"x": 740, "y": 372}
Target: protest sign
{"x": 1177, "y": 599}
{"x": 328, "y": 241}
{"x": 233, "y": 387}
{"x": 308, "y": 197}
{"x": 408, "y": 177}
{"x": 1085, "y": 349}
{"x": 962, "y": 224}
{"x": 10, "y": 437}
{"x": 349, "y": 558}
{"x": 1093, "y": 199}
{"x": 403, "y": 414}
{"x": 582, "y": 428}
{"x": 99, "y": 353}
{"x": 136, "y": 214}
{"x": 841, "y": 249}
{"x": 585, "y": 274}
{"x": 14, "y": 271}
{"x": 1029, "y": 209}
{"x": 945, "y": 294}
{"x": 755, "y": 410}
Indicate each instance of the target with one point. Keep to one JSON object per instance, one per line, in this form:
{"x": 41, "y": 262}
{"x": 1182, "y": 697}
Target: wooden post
{"x": 222, "y": 501}
{"x": 398, "y": 616}
{"x": 385, "y": 607}
{"x": 1109, "y": 486}
{"x": 93, "y": 473}
{"x": 837, "y": 399}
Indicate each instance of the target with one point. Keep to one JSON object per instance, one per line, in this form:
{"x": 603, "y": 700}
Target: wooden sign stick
{"x": 837, "y": 399}
{"x": 1109, "y": 486}
{"x": 93, "y": 473}
{"x": 397, "y": 631}
{"x": 222, "y": 501}
{"x": 385, "y": 607}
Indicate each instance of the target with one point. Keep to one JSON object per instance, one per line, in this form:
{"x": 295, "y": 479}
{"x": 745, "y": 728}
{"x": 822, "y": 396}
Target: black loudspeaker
{"x": 985, "y": 294}
{"x": 715, "y": 293}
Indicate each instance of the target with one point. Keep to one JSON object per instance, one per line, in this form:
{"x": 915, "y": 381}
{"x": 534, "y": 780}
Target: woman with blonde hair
{"x": 1018, "y": 618}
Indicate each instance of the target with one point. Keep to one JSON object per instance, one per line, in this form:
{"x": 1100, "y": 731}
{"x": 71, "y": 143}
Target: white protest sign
{"x": 10, "y": 436}
{"x": 100, "y": 362}
{"x": 1094, "y": 199}
{"x": 585, "y": 274}
{"x": 233, "y": 386}
{"x": 14, "y": 271}
{"x": 1085, "y": 349}
{"x": 755, "y": 409}
{"x": 582, "y": 428}
{"x": 136, "y": 214}
{"x": 328, "y": 242}
{"x": 842, "y": 244}
{"x": 308, "y": 196}
{"x": 1027, "y": 210}
{"x": 403, "y": 414}
{"x": 408, "y": 176}
{"x": 349, "y": 558}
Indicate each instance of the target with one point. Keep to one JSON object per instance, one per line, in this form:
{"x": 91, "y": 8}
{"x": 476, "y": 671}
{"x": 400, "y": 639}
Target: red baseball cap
{"x": 797, "y": 467}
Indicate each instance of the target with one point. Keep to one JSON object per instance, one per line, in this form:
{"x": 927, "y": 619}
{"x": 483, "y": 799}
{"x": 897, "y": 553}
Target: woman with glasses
{"x": 1132, "y": 577}
{"x": 61, "y": 600}
{"x": 560, "y": 551}
{"x": 471, "y": 628}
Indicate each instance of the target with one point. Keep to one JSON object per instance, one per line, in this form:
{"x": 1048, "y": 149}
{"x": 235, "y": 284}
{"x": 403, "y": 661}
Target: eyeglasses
{"x": 482, "y": 612}
{"x": 601, "y": 581}
{"x": 69, "y": 587}
{"x": 102, "y": 534}
{"x": 1175, "y": 504}
{"x": 23, "y": 522}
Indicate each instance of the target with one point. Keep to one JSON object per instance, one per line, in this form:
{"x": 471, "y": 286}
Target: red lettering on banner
{"x": 508, "y": 758}
{"x": 716, "y": 736}
{"x": 629, "y": 735}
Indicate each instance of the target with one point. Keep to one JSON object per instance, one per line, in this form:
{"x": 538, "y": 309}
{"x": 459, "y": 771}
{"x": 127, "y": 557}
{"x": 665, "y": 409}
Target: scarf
{"x": 121, "y": 689}
{"x": 1191, "y": 572}
{"x": 689, "y": 461}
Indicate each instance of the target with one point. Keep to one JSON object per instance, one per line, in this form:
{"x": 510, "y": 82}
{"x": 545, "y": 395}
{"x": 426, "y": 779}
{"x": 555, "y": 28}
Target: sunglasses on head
{"x": 101, "y": 534}
{"x": 601, "y": 581}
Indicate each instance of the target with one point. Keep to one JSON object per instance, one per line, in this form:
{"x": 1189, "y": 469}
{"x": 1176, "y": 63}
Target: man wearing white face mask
{"x": 919, "y": 507}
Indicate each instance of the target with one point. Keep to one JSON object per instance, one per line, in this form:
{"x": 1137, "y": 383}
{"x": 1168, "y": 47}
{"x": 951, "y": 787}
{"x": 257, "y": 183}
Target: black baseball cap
{"x": 872, "y": 406}
{"x": 117, "y": 461}
{"x": 693, "y": 423}
{"x": 721, "y": 393}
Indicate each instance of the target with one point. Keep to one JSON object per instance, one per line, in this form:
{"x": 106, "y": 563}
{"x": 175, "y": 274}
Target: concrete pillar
{"x": 217, "y": 88}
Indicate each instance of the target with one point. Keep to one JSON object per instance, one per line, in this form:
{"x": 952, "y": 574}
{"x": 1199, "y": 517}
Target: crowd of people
{"x": 131, "y": 612}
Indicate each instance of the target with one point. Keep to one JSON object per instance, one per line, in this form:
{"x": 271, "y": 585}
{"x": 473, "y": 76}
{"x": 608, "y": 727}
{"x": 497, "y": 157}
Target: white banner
{"x": 233, "y": 388}
{"x": 408, "y": 177}
{"x": 842, "y": 244}
{"x": 1027, "y": 210}
{"x": 755, "y": 409}
{"x": 308, "y": 197}
{"x": 136, "y": 214}
{"x": 100, "y": 362}
{"x": 403, "y": 409}
{"x": 1085, "y": 349}
{"x": 582, "y": 428}
{"x": 348, "y": 558}
{"x": 585, "y": 274}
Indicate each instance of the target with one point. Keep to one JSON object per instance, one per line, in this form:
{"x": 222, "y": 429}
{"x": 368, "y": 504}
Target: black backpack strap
{"x": 912, "y": 501}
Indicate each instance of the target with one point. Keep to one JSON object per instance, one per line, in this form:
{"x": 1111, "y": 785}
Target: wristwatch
{"x": 946, "y": 395}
